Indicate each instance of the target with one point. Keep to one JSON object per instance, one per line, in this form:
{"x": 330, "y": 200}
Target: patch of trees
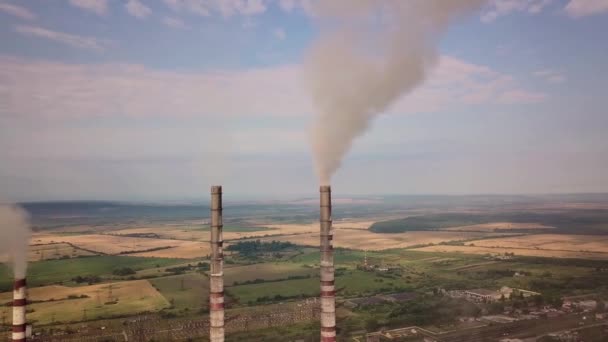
{"x": 260, "y": 281}
{"x": 253, "y": 248}
{"x": 201, "y": 266}
{"x": 123, "y": 271}
{"x": 89, "y": 279}
{"x": 145, "y": 250}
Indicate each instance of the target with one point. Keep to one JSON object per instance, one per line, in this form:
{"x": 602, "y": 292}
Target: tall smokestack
{"x": 328, "y": 292}
{"x": 216, "y": 294}
{"x": 19, "y": 302}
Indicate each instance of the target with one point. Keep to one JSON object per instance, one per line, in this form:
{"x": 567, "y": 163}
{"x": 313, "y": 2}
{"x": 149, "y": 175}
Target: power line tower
{"x": 98, "y": 298}
{"x": 110, "y": 293}
{"x": 84, "y": 314}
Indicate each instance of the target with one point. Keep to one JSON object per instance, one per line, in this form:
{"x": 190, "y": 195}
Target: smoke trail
{"x": 370, "y": 52}
{"x": 14, "y": 237}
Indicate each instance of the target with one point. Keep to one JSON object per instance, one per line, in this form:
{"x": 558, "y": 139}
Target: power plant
{"x": 19, "y": 303}
{"x": 216, "y": 290}
{"x": 328, "y": 290}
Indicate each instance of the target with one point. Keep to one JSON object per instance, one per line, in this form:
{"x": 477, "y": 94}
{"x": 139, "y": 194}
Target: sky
{"x": 159, "y": 99}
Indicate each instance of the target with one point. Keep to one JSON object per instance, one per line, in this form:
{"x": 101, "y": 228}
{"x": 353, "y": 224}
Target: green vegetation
{"x": 49, "y": 272}
{"x": 429, "y": 222}
{"x": 253, "y": 248}
{"x": 186, "y": 293}
{"x": 568, "y": 221}
{"x": 275, "y": 291}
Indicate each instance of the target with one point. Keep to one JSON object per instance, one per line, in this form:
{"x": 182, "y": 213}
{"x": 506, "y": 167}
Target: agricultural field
{"x": 516, "y": 251}
{"x": 186, "y": 292}
{"x": 265, "y": 271}
{"x": 53, "y": 251}
{"x": 539, "y": 245}
{"x": 136, "y": 246}
{"x": 367, "y": 240}
{"x": 68, "y": 304}
{"x": 500, "y": 227}
{"x": 555, "y": 242}
{"x": 49, "y": 272}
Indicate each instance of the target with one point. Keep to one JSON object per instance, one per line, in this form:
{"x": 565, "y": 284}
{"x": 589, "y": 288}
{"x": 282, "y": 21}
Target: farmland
{"x": 364, "y": 239}
{"x": 68, "y": 304}
{"x": 418, "y": 251}
{"x": 113, "y": 245}
{"x": 62, "y": 271}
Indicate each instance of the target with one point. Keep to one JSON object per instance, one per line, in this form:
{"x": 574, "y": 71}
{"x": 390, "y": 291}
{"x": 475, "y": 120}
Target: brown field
{"x": 130, "y": 297}
{"x": 517, "y": 251}
{"x": 51, "y": 251}
{"x": 167, "y": 232}
{"x": 489, "y": 227}
{"x": 110, "y": 244}
{"x": 364, "y": 239}
{"x": 555, "y": 242}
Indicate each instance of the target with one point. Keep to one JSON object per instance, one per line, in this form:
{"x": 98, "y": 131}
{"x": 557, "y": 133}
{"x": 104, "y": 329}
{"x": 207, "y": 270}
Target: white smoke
{"x": 370, "y": 52}
{"x": 14, "y": 237}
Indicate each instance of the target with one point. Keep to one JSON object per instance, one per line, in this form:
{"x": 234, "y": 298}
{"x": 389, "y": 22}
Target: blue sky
{"x": 153, "y": 100}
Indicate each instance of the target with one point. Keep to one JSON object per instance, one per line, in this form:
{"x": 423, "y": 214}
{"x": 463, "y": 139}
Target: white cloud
{"x": 56, "y": 90}
{"x": 174, "y": 23}
{"x": 226, "y": 8}
{"x": 291, "y": 5}
{"x": 61, "y": 37}
{"x": 287, "y": 5}
{"x": 17, "y": 11}
{"x": 498, "y": 8}
{"x": 137, "y": 9}
{"x": 280, "y": 33}
{"x": 96, "y": 6}
{"x": 581, "y": 8}
{"x": 551, "y": 76}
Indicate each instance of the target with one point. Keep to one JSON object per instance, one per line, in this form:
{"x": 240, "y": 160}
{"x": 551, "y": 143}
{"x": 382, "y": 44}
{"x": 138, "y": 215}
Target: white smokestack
{"x": 14, "y": 237}
{"x": 370, "y": 52}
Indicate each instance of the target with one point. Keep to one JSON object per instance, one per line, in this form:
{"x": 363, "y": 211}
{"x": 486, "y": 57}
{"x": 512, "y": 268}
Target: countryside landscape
{"x": 117, "y": 271}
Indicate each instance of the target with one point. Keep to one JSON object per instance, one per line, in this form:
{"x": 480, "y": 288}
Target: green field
{"x": 245, "y": 294}
{"x": 186, "y": 292}
{"x": 56, "y": 271}
{"x": 566, "y": 222}
{"x": 265, "y": 271}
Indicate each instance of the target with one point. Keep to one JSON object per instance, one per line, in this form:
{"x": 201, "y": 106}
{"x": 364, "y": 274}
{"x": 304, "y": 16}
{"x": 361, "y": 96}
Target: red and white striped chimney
{"x": 19, "y": 303}
{"x": 216, "y": 292}
{"x": 328, "y": 290}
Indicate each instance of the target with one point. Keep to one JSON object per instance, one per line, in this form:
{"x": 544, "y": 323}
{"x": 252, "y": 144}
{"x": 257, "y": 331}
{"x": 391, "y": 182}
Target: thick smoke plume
{"x": 14, "y": 237}
{"x": 370, "y": 53}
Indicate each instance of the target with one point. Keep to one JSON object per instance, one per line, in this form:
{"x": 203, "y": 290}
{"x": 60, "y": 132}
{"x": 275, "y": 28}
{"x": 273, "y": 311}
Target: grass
{"x": 58, "y": 271}
{"x": 191, "y": 297}
{"x": 266, "y": 271}
{"x": 567, "y": 221}
{"x": 127, "y": 298}
{"x": 288, "y": 288}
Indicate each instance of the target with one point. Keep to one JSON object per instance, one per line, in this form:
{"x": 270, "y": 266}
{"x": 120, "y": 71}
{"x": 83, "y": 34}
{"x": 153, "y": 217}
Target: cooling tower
{"x": 19, "y": 302}
{"x": 216, "y": 294}
{"x": 328, "y": 293}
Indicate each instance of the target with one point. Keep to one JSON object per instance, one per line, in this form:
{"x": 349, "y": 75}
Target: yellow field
{"x": 130, "y": 297}
{"x": 167, "y": 232}
{"x": 556, "y": 242}
{"x": 489, "y": 227}
{"x": 110, "y": 244}
{"x": 364, "y": 239}
{"x": 51, "y": 251}
{"x": 517, "y": 251}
